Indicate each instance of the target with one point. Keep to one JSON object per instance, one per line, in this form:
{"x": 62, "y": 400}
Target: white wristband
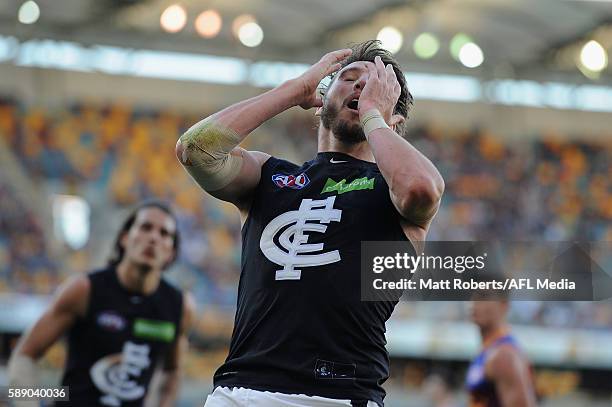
{"x": 372, "y": 120}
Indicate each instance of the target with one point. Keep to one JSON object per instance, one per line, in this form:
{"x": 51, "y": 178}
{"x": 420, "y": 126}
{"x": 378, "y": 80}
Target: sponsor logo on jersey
{"x": 284, "y": 242}
{"x": 342, "y": 187}
{"x": 152, "y": 329}
{"x": 291, "y": 181}
{"x": 116, "y": 375}
{"x": 111, "y": 321}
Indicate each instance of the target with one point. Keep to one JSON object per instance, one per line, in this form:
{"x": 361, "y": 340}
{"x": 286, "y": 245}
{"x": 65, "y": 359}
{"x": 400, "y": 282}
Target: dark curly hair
{"x": 118, "y": 251}
{"x": 367, "y": 51}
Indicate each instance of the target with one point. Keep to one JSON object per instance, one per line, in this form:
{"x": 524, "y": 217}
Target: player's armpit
{"x": 240, "y": 190}
{"x": 512, "y": 379}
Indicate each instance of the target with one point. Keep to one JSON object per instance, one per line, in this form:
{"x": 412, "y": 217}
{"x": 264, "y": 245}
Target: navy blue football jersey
{"x": 300, "y": 326}
{"x": 114, "y": 349}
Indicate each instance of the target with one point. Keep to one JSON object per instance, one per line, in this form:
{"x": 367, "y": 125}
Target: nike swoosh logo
{"x": 336, "y": 162}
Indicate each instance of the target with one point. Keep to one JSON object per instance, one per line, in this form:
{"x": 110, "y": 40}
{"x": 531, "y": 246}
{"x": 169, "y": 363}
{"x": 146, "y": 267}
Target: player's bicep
{"x": 239, "y": 191}
{"x": 69, "y": 303}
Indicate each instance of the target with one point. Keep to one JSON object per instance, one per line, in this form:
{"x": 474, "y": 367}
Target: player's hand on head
{"x": 308, "y": 82}
{"x": 381, "y": 91}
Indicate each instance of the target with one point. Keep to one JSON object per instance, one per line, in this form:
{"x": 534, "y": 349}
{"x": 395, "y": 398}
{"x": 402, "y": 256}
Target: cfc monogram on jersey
{"x": 301, "y": 326}
{"x": 292, "y": 249}
{"x": 114, "y": 349}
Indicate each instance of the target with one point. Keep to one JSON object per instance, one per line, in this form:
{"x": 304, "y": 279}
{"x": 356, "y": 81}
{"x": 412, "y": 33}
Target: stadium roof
{"x": 519, "y": 38}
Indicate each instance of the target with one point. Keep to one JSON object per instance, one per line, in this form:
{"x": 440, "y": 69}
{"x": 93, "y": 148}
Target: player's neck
{"x": 328, "y": 142}
{"x": 492, "y": 333}
{"x": 135, "y": 278}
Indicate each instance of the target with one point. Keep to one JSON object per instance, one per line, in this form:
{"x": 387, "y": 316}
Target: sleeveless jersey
{"x": 114, "y": 350}
{"x": 300, "y": 326}
{"x": 482, "y": 390}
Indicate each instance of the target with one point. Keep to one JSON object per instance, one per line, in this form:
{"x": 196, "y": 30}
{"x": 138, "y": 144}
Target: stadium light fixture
{"x": 471, "y": 55}
{"x": 426, "y": 45}
{"x": 457, "y": 42}
{"x": 208, "y": 23}
{"x": 391, "y": 39}
{"x": 593, "y": 56}
{"x": 173, "y": 19}
{"x": 240, "y": 21}
{"x": 29, "y": 12}
{"x": 250, "y": 34}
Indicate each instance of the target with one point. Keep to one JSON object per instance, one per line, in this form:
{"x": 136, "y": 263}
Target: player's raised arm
{"x": 209, "y": 149}
{"x": 415, "y": 184}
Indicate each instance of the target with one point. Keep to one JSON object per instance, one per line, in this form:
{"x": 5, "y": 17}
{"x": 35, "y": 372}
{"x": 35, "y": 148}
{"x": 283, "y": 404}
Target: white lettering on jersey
{"x": 114, "y": 374}
{"x": 294, "y": 241}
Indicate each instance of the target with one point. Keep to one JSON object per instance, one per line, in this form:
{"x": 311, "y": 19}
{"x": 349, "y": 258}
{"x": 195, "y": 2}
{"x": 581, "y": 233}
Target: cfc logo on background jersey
{"x": 114, "y": 375}
{"x": 291, "y": 181}
{"x": 293, "y": 250}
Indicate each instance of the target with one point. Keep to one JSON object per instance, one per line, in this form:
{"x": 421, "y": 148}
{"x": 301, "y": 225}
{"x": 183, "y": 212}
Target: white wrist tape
{"x": 205, "y": 154}
{"x": 372, "y": 120}
{"x": 22, "y": 371}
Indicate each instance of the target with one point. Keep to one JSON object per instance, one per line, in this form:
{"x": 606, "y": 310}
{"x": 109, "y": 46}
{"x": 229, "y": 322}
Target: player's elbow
{"x": 422, "y": 194}
{"x": 182, "y": 153}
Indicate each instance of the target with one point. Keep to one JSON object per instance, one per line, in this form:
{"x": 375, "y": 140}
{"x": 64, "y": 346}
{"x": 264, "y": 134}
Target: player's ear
{"x": 123, "y": 239}
{"x": 395, "y": 120}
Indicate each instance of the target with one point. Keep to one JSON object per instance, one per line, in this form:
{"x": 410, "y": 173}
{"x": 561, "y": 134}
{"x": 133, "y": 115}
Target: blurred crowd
{"x": 538, "y": 188}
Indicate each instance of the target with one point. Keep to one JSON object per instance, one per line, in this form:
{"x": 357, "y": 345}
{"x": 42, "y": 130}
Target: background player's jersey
{"x": 114, "y": 349}
{"x": 482, "y": 390}
{"x": 300, "y": 324}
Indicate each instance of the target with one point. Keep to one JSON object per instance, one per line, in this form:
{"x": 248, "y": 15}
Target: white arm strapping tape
{"x": 206, "y": 154}
{"x": 22, "y": 373}
{"x": 372, "y": 120}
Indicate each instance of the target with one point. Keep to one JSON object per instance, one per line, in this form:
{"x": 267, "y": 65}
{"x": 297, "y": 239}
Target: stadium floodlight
{"x": 426, "y": 45}
{"x": 593, "y": 56}
{"x": 250, "y": 34}
{"x": 71, "y": 215}
{"x": 391, "y": 39}
{"x": 457, "y": 42}
{"x": 29, "y": 12}
{"x": 173, "y": 19}
{"x": 240, "y": 21}
{"x": 471, "y": 55}
{"x": 208, "y": 23}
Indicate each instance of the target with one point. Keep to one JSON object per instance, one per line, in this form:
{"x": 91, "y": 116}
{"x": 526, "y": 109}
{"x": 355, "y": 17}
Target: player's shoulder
{"x": 169, "y": 291}
{"x": 73, "y": 295}
{"x": 260, "y": 156}
{"x": 277, "y": 162}
{"x": 99, "y": 274}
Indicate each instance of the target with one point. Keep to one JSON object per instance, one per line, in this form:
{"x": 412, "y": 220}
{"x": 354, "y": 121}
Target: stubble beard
{"x": 343, "y": 131}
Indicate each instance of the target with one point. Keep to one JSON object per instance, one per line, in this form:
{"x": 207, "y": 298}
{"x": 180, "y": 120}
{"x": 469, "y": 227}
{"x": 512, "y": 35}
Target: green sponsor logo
{"x": 152, "y": 329}
{"x": 342, "y": 187}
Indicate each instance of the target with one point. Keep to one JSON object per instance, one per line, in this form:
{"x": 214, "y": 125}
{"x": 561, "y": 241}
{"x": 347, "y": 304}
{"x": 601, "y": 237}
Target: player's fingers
{"x": 333, "y": 68}
{"x": 397, "y": 88}
{"x": 372, "y": 72}
{"x": 336, "y": 56}
{"x": 380, "y": 67}
{"x": 390, "y": 73}
{"x": 318, "y": 102}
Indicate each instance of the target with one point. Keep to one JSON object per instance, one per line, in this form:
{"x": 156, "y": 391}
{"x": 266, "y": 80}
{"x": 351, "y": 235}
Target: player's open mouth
{"x": 353, "y": 104}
